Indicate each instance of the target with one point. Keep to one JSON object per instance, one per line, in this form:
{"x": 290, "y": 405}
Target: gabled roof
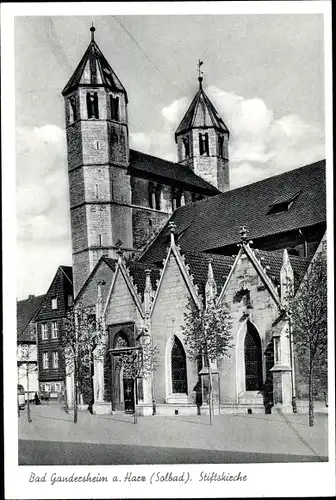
{"x": 111, "y": 264}
{"x": 137, "y": 272}
{"x": 142, "y": 164}
{"x": 26, "y": 310}
{"x": 214, "y": 223}
{"x": 201, "y": 113}
{"x": 67, "y": 270}
{"x": 93, "y": 69}
{"x": 274, "y": 261}
{"x": 198, "y": 267}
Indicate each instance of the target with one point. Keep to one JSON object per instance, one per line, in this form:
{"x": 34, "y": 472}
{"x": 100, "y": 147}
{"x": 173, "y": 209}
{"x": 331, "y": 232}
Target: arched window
{"x": 72, "y": 109}
{"x": 178, "y": 368}
{"x": 92, "y": 105}
{"x": 186, "y": 147}
{"x": 221, "y": 146}
{"x": 253, "y": 364}
{"x": 114, "y": 107}
{"x": 204, "y": 144}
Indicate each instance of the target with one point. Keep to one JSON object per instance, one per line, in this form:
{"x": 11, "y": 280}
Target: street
{"x": 53, "y": 439}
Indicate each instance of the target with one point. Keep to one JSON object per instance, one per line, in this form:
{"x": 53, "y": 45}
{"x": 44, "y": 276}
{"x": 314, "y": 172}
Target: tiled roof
{"x": 274, "y": 261}
{"x": 110, "y": 262}
{"x": 25, "y": 312}
{"x": 214, "y": 223}
{"x": 201, "y": 113}
{"x": 93, "y": 69}
{"x": 168, "y": 172}
{"x": 137, "y": 271}
{"x": 198, "y": 266}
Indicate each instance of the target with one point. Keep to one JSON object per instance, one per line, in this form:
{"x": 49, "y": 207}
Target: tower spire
{"x": 92, "y": 29}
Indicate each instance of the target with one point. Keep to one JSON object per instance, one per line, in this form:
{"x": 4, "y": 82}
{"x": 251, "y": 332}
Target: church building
{"x": 149, "y": 236}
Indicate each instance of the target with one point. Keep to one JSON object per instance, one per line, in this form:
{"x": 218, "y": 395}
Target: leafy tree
{"x": 207, "y": 335}
{"x": 28, "y": 357}
{"x": 309, "y": 318}
{"x": 81, "y": 343}
{"x": 138, "y": 362}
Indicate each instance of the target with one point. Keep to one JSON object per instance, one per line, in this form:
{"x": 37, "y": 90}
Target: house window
{"x": 45, "y": 361}
{"x": 204, "y": 144}
{"x": 54, "y": 303}
{"x": 178, "y": 368}
{"x": 55, "y": 359}
{"x": 114, "y": 106}
{"x": 92, "y": 105}
{"x": 44, "y": 331}
{"x": 54, "y": 330}
{"x": 186, "y": 147}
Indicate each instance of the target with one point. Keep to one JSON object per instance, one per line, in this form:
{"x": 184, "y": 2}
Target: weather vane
{"x": 199, "y": 64}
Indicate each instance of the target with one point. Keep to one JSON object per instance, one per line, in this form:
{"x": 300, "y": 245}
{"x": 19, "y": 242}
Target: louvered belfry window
{"x": 114, "y": 107}
{"x": 179, "y": 368}
{"x": 204, "y": 144}
{"x": 92, "y": 105}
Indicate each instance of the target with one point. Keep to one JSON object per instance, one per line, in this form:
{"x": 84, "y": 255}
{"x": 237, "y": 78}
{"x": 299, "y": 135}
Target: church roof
{"x": 214, "y": 223}
{"x": 26, "y": 310}
{"x": 142, "y": 164}
{"x": 94, "y": 70}
{"x": 201, "y": 113}
{"x": 137, "y": 271}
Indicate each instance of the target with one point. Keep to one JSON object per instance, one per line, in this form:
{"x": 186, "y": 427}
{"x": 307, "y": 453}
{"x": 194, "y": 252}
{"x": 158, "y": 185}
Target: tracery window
{"x": 178, "y": 368}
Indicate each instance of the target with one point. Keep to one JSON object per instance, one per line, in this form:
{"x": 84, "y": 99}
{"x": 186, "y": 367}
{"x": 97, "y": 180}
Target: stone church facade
{"x": 149, "y": 235}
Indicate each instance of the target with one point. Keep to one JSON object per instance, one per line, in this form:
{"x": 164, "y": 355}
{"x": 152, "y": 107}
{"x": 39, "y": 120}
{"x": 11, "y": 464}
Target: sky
{"x": 263, "y": 73}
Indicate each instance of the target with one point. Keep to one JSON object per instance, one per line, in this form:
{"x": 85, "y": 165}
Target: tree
{"x": 28, "y": 357}
{"x": 207, "y": 335}
{"x": 309, "y": 318}
{"x": 81, "y": 343}
{"x": 139, "y": 362}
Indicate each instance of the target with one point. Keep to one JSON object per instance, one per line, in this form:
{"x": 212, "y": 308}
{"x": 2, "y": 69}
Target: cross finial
{"x": 92, "y": 29}
{"x": 118, "y": 247}
{"x": 200, "y": 78}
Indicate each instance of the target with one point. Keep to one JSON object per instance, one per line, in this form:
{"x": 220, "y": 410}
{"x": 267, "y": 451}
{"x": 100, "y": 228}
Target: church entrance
{"x": 253, "y": 360}
{"x": 178, "y": 368}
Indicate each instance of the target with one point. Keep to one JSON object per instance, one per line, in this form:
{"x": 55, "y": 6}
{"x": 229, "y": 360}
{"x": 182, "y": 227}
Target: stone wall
{"x": 88, "y": 297}
{"x": 146, "y": 223}
{"x": 262, "y": 313}
{"x": 167, "y": 318}
{"x": 121, "y": 307}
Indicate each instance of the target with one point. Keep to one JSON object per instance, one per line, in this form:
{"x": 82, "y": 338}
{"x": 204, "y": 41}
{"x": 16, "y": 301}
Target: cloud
{"x": 42, "y": 209}
{"x": 260, "y": 144}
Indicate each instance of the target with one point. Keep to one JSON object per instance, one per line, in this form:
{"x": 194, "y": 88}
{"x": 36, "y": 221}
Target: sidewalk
{"x": 278, "y": 434}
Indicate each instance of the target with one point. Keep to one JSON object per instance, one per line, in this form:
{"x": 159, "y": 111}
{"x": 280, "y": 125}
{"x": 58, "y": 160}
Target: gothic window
{"x": 114, "y": 107}
{"x": 72, "y": 109}
{"x": 204, "y": 144}
{"x": 186, "y": 147}
{"x": 92, "y": 105}
{"x": 253, "y": 365}
{"x": 178, "y": 368}
{"x": 221, "y": 146}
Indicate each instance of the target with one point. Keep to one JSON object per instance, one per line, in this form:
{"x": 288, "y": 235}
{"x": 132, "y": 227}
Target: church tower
{"x": 98, "y": 158}
{"x": 202, "y": 141}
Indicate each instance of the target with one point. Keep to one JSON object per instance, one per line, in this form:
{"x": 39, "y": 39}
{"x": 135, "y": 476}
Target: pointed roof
{"x": 93, "y": 69}
{"x": 201, "y": 113}
{"x": 26, "y": 310}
